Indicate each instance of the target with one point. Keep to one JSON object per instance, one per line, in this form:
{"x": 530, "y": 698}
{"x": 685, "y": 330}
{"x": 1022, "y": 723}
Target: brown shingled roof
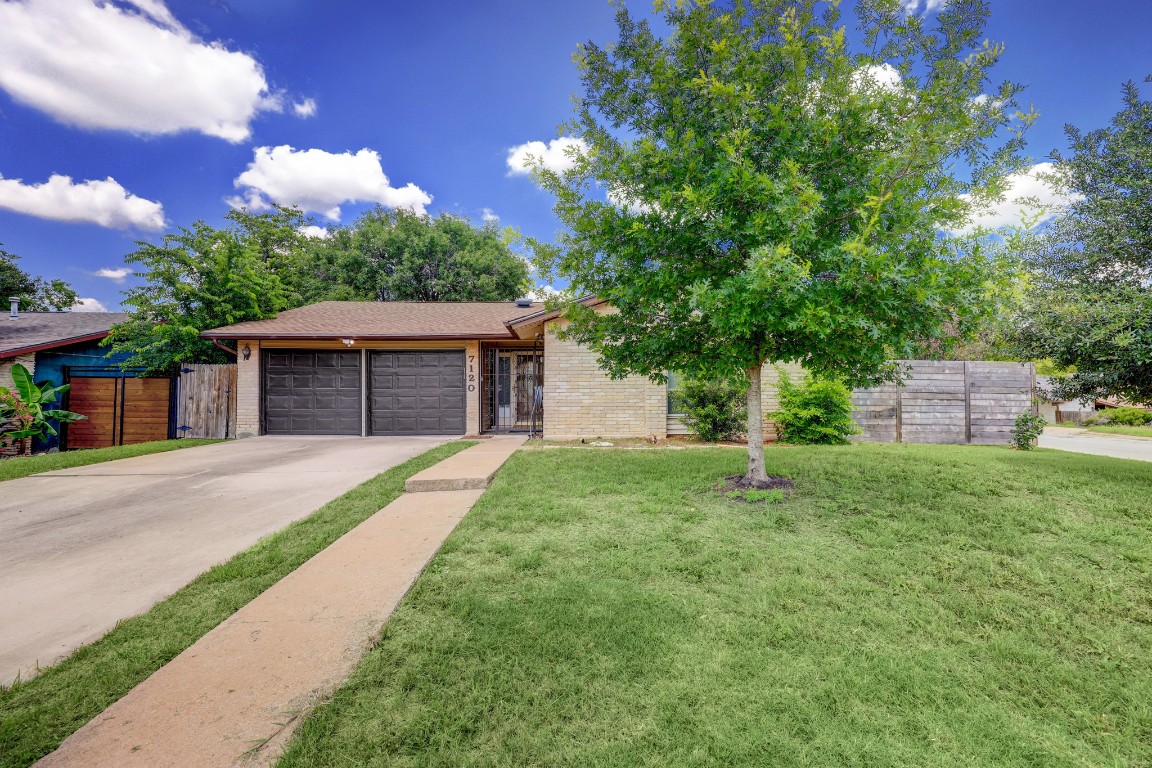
{"x": 383, "y": 320}
{"x": 33, "y": 331}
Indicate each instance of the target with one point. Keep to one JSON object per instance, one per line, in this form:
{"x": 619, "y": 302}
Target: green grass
{"x": 1122, "y": 430}
{"x": 22, "y": 466}
{"x": 35, "y": 716}
{"x": 906, "y": 606}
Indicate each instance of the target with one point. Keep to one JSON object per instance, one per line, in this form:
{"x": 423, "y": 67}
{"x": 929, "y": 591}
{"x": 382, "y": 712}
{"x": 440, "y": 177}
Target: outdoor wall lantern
{"x": 246, "y": 352}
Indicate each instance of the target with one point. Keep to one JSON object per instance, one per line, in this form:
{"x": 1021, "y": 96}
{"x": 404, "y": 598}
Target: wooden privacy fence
{"x": 206, "y": 401}
{"x": 947, "y": 402}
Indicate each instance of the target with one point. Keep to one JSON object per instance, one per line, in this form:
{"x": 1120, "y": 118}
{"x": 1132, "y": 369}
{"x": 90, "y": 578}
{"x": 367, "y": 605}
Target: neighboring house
{"x": 1059, "y": 411}
{"x": 64, "y": 348}
{"x": 410, "y": 368}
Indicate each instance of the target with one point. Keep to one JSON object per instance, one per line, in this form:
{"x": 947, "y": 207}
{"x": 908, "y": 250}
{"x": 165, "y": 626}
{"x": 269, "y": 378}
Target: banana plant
{"x": 23, "y": 411}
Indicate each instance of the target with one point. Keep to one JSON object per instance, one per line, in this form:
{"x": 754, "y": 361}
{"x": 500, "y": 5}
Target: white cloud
{"x": 88, "y": 305}
{"x": 319, "y": 181}
{"x": 129, "y": 67}
{"x": 883, "y": 76}
{"x": 306, "y": 108}
{"x": 925, "y": 6}
{"x": 628, "y": 201}
{"x": 555, "y": 155}
{"x": 311, "y": 230}
{"x": 542, "y": 292}
{"x": 117, "y": 275}
{"x": 96, "y": 202}
{"x": 490, "y": 216}
{"x": 1026, "y": 195}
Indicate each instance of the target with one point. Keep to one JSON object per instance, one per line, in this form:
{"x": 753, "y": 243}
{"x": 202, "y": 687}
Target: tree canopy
{"x": 262, "y": 263}
{"x": 200, "y": 278}
{"x": 752, "y": 190}
{"x": 395, "y": 255}
{"x": 1091, "y": 305}
{"x": 36, "y": 293}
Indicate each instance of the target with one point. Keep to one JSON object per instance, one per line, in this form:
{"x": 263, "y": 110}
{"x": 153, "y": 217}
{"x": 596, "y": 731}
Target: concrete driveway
{"x": 1097, "y": 443}
{"x": 81, "y": 549}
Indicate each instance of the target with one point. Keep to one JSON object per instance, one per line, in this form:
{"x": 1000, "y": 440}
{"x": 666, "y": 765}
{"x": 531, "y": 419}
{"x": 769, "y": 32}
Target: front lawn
{"x": 1122, "y": 430}
{"x": 23, "y": 466}
{"x": 907, "y": 606}
{"x": 35, "y": 716}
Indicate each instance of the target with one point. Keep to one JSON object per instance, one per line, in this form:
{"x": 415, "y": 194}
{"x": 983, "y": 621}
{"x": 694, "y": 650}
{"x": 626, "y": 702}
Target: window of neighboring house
{"x": 673, "y": 401}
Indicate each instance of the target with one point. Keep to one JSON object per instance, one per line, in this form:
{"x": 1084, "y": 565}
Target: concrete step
{"x": 470, "y": 470}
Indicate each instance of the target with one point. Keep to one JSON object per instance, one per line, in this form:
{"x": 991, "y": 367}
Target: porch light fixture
{"x": 348, "y": 342}
{"x": 246, "y": 352}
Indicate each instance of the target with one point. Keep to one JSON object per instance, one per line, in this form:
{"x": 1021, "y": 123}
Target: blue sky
{"x": 160, "y": 114}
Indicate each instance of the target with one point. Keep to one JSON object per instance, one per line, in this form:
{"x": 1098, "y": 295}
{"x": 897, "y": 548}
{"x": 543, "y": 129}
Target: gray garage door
{"x": 309, "y": 392}
{"x": 417, "y": 393}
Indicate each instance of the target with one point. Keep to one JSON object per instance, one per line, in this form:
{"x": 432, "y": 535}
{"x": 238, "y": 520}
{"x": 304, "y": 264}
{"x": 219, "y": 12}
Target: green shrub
{"x": 1126, "y": 417}
{"x": 1029, "y": 426}
{"x": 714, "y": 409}
{"x": 814, "y": 411}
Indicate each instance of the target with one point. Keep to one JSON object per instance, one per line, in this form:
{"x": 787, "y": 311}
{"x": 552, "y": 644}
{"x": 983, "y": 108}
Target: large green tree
{"x": 36, "y": 294}
{"x": 199, "y": 278}
{"x": 753, "y": 190}
{"x": 1091, "y": 306}
{"x": 392, "y": 255}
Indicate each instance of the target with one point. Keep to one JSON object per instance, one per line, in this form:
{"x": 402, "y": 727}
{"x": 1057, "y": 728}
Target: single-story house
{"x": 64, "y": 348}
{"x": 438, "y": 368}
{"x": 1059, "y": 411}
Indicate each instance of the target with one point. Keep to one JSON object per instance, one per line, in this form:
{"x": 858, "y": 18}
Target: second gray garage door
{"x": 417, "y": 393}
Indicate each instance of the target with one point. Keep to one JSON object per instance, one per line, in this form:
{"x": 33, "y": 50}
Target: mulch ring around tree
{"x": 772, "y": 491}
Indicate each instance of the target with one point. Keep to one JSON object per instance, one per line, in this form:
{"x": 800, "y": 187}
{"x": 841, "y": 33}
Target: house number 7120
{"x": 471, "y": 373}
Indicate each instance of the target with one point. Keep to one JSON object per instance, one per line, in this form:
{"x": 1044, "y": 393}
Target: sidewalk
{"x": 1097, "y": 443}
{"x": 235, "y": 696}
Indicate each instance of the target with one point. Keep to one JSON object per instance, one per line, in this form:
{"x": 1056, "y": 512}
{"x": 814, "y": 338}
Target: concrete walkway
{"x": 83, "y": 548}
{"x": 234, "y": 697}
{"x": 1097, "y": 443}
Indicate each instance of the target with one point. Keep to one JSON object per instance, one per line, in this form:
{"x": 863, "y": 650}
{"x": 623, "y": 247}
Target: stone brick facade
{"x": 28, "y": 361}
{"x": 581, "y": 402}
{"x": 248, "y": 390}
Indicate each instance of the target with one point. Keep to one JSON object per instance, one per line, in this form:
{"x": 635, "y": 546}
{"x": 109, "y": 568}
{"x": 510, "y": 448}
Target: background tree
{"x": 1091, "y": 307}
{"x": 198, "y": 278}
{"x": 753, "y": 191}
{"x": 36, "y": 294}
{"x": 402, "y": 256}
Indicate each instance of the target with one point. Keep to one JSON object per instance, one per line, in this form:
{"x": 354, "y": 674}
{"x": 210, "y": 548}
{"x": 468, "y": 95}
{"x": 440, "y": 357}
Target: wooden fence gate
{"x": 947, "y": 402}
{"x": 206, "y": 401}
{"x": 120, "y": 410}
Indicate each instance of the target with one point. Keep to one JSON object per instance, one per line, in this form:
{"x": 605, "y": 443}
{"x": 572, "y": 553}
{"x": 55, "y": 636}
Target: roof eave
{"x": 7, "y": 353}
{"x": 544, "y": 315}
{"x": 224, "y": 334}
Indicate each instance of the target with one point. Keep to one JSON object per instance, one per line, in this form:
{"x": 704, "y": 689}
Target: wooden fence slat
{"x": 206, "y": 406}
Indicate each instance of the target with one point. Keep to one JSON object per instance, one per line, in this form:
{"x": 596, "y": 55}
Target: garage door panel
{"x": 312, "y": 393}
{"x": 418, "y": 392}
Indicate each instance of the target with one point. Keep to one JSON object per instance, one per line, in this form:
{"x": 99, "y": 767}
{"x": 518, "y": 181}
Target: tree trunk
{"x": 756, "y": 471}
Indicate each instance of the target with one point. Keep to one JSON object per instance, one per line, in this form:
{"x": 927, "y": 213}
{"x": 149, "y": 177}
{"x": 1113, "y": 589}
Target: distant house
{"x": 64, "y": 348}
{"x": 1059, "y": 411}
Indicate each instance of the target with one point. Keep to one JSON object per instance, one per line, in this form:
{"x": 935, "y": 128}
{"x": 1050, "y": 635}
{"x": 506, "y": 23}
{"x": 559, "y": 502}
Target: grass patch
{"x": 35, "y": 716}
{"x": 905, "y": 606}
{"x": 1122, "y": 430}
{"x": 22, "y": 466}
